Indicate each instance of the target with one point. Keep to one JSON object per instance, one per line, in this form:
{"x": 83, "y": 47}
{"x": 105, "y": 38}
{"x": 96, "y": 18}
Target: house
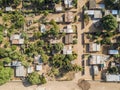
{"x": 94, "y": 14}
{"x": 39, "y": 67}
{"x": 8, "y": 9}
{"x": 113, "y": 52}
{"x": 58, "y": 8}
{"x": 113, "y": 77}
{"x": 20, "y": 71}
{"x": 67, "y": 50}
{"x": 16, "y": 39}
{"x": 37, "y": 59}
{"x": 92, "y": 4}
{"x": 69, "y": 17}
{"x": 114, "y": 12}
{"x": 16, "y": 63}
{"x": 59, "y": 19}
{"x": 96, "y": 59}
{"x": 68, "y": 3}
{"x": 101, "y": 6}
{"x": 68, "y": 39}
{"x": 30, "y": 69}
{"x": 94, "y": 47}
{"x": 42, "y": 28}
{"x": 68, "y": 29}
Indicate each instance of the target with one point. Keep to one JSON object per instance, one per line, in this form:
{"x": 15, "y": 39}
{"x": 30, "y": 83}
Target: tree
{"x": 5, "y": 74}
{"x": 13, "y": 47}
{"x": 34, "y": 78}
{"x": 44, "y": 58}
{"x": 7, "y": 60}
{"x": 37, "y": 35}
{"x": 18, "y": 19}
{"x": 86, "y": 18}
{"x": 112, "y": 4}
{"x": 16, "y": 2}
{"x": 3, "y": 52}
{"x": 1, "y": 38}
{"x": 58, "y": 47}
{"x": 109, "y": 22}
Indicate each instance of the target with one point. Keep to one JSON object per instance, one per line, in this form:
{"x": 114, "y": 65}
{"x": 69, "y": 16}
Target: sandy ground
{"x": 65, "y": 85}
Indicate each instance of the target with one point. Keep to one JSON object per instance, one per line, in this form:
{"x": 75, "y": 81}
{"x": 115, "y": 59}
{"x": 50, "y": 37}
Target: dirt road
{"x": 65, "y": 85}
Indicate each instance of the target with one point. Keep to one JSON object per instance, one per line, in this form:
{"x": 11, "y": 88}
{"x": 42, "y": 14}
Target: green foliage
{"x": 1, "y": 38}
{"x": 18, "y": 19}
{"x": 44, "y": 58}
{"x": 9, "y": 2}
{"x": 63, "y": 62}
{"x": 86, "y": 18}
{"x": 113, "y": 70}
{"x": 75, "y": 19}
{"x": 37, "y": 35}
{"x": 3, "y": 52}
{"x": 13, "y": 47}
{"x": 5, "y": 74}
{"x": 75, "y": 41}
{"x": 112, "y": 4}
{"x": 16, "y": 2}
{"x": 34, "y": 78}
{"x": 75, "y": 3}
{"x": 7, "y": 60}
{"x": 55, "y": 71}
{"x": 58, "y": 47}
{"x": 46, "y": 13}
{"x": 109, "y": 22}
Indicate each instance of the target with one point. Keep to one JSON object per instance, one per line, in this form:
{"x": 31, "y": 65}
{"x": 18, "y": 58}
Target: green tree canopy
{"x": 58, "y": 47}
{"x": 112, "y": 4}
{"x": 5, "y": 74}
{"x": 109, "y": 22}
{"x": 44, "y": 58}
{"x": 35, "y": 78}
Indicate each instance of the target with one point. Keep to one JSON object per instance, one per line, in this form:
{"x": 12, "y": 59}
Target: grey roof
{"x": 20, "y": 71}
{"x": 16, "y": 63}
{"x": 112, "y": 77}
{"x": 39, "y": 67}
{"x": 37, "y": 59}
{"x": 30, "y": 69}
{"x": 92, "y": 4}
{"x": 8, "y": 9}
{"x": 113, "y": 52}
{"x": 68, "y": 39}
{"x": 94, "y": 47}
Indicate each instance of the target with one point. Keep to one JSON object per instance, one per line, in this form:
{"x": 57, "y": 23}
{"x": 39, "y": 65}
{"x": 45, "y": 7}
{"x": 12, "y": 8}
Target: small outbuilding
{"x": 113, "y": 77}
{"x": 16, "y": 39}
{"x": 113, "y": 52}
{"x": 39, "y": 67}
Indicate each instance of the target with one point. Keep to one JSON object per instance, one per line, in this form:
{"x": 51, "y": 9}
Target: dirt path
{"x": 65, "y": 85}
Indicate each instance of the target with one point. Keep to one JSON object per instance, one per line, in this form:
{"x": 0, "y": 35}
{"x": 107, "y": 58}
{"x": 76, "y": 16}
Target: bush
{"x": 75, "y": 41}
{"x": 35, "y": 79}
{"x": 86, "y": 18}
{"x": 13, "y": 47}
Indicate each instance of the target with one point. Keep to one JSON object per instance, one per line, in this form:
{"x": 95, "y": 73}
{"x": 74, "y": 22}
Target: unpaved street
{"x": 65, "y": 85}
